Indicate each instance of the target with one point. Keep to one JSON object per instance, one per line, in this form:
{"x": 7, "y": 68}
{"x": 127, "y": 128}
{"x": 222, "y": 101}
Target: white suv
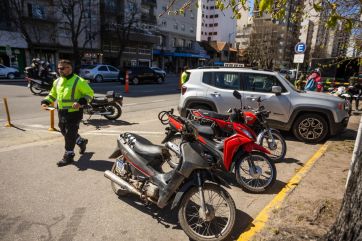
{"x": 311, "y": 116}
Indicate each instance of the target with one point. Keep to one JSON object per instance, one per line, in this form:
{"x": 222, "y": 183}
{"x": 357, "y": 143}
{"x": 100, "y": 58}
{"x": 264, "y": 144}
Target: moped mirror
{"x": 236, "y": 94}
{"x": 277, "y": 90}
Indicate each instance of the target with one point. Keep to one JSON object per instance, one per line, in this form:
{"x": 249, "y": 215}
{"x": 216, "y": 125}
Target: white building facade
{"x": 214, "y": 24}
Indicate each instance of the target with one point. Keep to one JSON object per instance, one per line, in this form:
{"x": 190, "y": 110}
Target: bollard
{"x": 126, "y": 82}
{"x": 51, "y": 128}
{"x": 8, "y": 123}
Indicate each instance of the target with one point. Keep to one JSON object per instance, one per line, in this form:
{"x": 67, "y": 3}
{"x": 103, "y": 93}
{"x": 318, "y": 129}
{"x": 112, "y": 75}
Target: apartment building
{"x": 177, "y": 31}
{"x": 214, "y": 24}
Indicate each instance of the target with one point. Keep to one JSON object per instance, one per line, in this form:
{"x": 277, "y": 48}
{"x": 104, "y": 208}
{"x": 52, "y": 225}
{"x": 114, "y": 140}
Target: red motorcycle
{"x": 254, "y": 170}
{"x": 256, "y": 122}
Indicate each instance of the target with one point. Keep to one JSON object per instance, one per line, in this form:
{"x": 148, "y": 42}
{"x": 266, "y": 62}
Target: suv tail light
{"x": 183, "y": 89}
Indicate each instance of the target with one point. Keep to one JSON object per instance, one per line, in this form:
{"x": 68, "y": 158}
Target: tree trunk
{"x": 348, "y": 226}
{"x": 76, "y": 58}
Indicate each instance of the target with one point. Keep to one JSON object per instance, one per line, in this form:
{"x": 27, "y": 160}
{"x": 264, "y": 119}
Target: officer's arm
{"x": 87, "y": 93}
{"x": 52, "y": 95}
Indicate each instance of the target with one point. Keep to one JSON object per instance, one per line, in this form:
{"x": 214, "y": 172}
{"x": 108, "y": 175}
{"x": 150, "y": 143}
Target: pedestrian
{"x": 355, "y": 90}
{"x": 184, "y": 75}
{"x": 314, "y": 81}
{"x": 71, "y": 93}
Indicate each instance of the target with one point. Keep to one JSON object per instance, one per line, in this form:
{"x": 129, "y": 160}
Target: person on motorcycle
{"x": 355, "y": 90}
{"x": 71, "y": 93}
{"x": 314, "y": 81}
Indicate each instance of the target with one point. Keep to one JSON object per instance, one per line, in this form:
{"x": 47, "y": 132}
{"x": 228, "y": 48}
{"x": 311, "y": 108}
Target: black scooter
{"x": 206, "y": 210}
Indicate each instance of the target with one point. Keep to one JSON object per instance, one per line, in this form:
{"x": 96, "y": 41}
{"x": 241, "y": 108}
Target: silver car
{"x": 8, "y": 72}
{"x": 160, "y": 71}
{"x": 311, "y": 116}
{"x": 99, "y": 73}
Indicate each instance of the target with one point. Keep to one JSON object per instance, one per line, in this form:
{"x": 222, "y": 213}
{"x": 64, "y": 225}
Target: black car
{"x": 140, "y": 74}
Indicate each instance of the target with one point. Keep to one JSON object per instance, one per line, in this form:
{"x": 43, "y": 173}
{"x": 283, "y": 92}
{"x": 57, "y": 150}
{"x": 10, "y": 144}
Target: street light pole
{"x": 229, "y": 45}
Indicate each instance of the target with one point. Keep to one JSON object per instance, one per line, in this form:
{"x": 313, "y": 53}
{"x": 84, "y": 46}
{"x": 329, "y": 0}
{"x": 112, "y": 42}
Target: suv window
{"x": 103, "y": 68}
{"x": 223, "y": 80}
{"x": 260, "y": 82}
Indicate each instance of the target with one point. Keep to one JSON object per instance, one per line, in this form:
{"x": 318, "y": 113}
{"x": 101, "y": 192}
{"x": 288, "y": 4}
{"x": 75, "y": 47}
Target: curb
{"x": 260, "y": 221}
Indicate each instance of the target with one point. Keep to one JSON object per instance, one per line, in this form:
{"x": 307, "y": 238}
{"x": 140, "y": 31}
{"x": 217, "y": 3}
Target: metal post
{"x": 296, "y": 75}
{"x": 51, "y": 128}
{"x": 8, "y": 123}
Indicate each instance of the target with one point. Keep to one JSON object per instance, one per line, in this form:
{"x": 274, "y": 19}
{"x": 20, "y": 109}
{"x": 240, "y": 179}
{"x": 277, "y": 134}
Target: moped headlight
{"x": 247, "y": 133}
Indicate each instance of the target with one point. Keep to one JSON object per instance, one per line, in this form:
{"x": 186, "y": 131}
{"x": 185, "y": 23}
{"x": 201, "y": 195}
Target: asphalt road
{"x": 39, "y": 201}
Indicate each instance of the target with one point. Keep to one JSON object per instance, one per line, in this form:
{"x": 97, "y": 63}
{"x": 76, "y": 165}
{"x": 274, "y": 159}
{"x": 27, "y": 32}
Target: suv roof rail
{"x": 220, "y": 67}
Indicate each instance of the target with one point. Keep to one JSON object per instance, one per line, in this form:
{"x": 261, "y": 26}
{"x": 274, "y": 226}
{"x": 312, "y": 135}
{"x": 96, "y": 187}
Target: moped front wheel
{"x": 35, "y": 89}
{"x": 255, "y": 172}
{"x": 213, "y": 225}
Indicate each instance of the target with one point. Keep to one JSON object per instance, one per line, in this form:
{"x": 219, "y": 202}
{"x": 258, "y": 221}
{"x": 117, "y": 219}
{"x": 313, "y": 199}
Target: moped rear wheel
{"x": 116, "y": 111}
{"x": 278, "y": 149}
{"x": 219, "y": 220}
{"x": 255, "y": 172}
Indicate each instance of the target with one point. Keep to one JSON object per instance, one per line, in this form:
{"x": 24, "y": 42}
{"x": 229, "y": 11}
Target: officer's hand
{"x": 44, "y": 106}
{"x": 76, "y": 105}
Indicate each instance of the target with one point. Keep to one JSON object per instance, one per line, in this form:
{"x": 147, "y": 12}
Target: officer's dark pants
{"x": 69, "y": 125}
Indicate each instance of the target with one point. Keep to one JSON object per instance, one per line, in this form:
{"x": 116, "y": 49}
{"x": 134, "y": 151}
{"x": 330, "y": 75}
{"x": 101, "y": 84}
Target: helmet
{"x": 317, "y": 70}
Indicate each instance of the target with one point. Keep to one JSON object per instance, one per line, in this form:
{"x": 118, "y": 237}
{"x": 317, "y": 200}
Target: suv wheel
{"x": 310, "y": 128}
{"x": 135, "y": 81}
{"x": 11, "y": 76}
{"x": 98, "y": 79}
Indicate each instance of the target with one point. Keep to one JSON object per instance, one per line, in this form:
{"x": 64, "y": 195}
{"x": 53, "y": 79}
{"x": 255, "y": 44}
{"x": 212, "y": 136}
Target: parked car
{"x": 141, "y": 74}
{"x": 8, "y": 72}
{"x": 292, "y": 73}
{"x": 311, "y": 116}
{"x": 159, "y": 70}
{"x": 99, "y": 73}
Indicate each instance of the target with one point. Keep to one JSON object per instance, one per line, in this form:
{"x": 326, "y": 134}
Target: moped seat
{"x": 214, "y": 114}
{"x": 203, "y": 130}
{"x": 146, "y": 148}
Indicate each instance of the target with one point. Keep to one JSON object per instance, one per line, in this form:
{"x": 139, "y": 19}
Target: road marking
{"x": 119, "y": 132}
{"x": 259, "y": 222}
{"x": 139, "y": 103}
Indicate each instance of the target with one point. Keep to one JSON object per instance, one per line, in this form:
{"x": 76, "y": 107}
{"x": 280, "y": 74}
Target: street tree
{"x": 74, "y": 18}
{"x": 124, "y": 20}
{"x": 348, "y": 226}
{"x": 29, "y": 22}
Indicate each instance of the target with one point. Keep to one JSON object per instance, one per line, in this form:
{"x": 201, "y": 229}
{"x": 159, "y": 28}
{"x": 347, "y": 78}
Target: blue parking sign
{"x": 300, "y": 48}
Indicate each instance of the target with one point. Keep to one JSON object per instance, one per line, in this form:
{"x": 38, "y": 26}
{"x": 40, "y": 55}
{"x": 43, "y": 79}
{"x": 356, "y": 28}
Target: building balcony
{"x": 149, "y": 2}
{"x": 149, "y": 19}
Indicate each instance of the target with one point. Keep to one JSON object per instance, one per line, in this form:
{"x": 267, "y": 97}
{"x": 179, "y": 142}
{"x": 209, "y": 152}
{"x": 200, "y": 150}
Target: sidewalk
{"x": 311, "y": 208}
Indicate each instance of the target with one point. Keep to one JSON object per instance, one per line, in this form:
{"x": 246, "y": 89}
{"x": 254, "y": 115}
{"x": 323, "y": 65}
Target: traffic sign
{"x": 300, "y": 48}
{"x": 298, "y": 58}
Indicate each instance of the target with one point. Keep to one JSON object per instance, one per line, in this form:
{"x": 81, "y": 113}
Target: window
{"x": 192, "y": 15}
{"x": 164, "y": 23}
{"x": 211, "y": 16}
{"x": 191, "y": 30}
{"x": 210, "y": 33}
{"x": 223, "y": 80}
{"x": 216, "y": 15}
{"x": 175, "y": 26}
{"x": 111, "y": 68}
{"x": 216, "y": 24}
{"x": 36, "y": 11}
{"x": 215, "y": 33}
{"x": 173, "y": 42}
{"x": 183, "y": 27}
{"x": 202, "y": 32}
{"x": 260, "y": 82}
{"x": 102, "y": 68}
{"x": 212, "y": 7}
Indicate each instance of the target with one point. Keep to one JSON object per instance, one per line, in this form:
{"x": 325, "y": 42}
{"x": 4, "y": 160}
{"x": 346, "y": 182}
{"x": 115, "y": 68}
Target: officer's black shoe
{"x": 83, "y": 145}
{"x": 67, "y": 159}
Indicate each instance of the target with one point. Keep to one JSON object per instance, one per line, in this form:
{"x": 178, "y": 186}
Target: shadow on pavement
{"x": 291, "y": 160}
{"x": 276, "y": 188}
{"x": 348, "y": 134}
{"x": 85, "y": 162}
{"x": 168, "y": 218}
{"x": 98, "y": 123}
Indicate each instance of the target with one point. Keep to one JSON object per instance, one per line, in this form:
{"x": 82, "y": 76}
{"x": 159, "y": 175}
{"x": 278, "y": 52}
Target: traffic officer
{"x": 71, "y": 93}
{"x": 184, "y": 75}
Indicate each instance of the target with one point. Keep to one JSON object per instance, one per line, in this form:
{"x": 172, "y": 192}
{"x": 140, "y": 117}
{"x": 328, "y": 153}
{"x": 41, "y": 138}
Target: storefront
{"x": 12, "y": 50}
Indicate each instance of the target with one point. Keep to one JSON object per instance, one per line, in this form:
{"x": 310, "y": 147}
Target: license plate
{"x": 120, "y": 165}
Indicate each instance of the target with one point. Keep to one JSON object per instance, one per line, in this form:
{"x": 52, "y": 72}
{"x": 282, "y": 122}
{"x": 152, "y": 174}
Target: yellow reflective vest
{"x": 67, "y": 91}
